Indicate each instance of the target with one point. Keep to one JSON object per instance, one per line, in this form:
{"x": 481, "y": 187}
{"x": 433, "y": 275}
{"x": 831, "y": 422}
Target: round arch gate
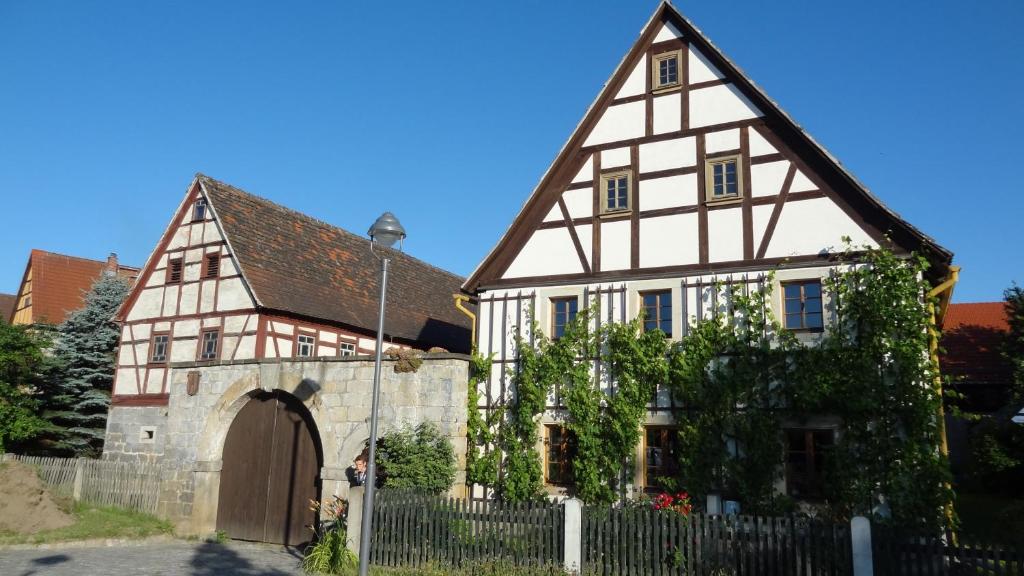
{"x": 272, "y": 458}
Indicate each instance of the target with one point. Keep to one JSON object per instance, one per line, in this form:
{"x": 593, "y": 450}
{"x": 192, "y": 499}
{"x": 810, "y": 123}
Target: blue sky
{"x": 448, "y": 113}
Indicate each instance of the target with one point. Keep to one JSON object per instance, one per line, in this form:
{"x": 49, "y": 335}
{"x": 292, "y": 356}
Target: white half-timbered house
{"x": 681, "y": 176}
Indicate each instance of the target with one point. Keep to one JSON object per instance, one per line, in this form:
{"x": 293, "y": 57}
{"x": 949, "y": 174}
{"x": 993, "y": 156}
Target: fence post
{"x": 355, "y": 517}
{"x": 573, "y": 537}
{"x": 860, "y": 541}
{"x": 76, "y": 490}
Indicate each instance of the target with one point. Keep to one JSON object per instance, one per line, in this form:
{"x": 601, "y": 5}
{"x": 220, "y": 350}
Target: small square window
{"x": 616, "y": 189}
{"x": 802, "y": 305}
{"x": 174, "y": 270}
{"x": 560, "y": 451}
{"x": 211, "y": 266}
{"x": 347, "y": 349}
{"x": 209, "y": 346}
{"x": 158, "y": 348}
{"x": 199, "y": 210}
{"x": 657, "y": 308}
{"x": 666, "y": 70}
{"x": 147, "y": 434}
{"x": 724, "y": 178}
{"x": 305, "y": 345}
{"x": 563, "y": 311}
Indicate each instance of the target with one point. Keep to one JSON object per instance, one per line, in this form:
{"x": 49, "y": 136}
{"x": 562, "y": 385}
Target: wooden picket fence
{"x": 100, "y": 482}
{"x": 412, "y": 529}
{"x": 642, "y": 541}
{"x": 898, "y": 554}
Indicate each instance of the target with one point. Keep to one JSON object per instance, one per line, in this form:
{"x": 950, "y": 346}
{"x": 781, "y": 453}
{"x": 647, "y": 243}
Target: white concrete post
{"x": 76, "y": 490}
{"x": 860, "y": 537}
{"x": 355, "y": 517}
{"x": 573, "y": 536}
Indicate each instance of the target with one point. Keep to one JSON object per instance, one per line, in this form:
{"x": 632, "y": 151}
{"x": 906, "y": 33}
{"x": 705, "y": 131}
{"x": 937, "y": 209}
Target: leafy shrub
{"x": 419, "y": 457}
{"x": 329, "y": 554}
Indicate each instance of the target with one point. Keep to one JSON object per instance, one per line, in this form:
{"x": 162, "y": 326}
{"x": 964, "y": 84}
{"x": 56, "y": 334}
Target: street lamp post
{"x": 385, "y": 232}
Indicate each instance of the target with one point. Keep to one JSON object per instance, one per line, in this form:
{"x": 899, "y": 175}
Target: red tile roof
{"x": 296, "y": 264}
{"x": 972, "y": 336}
{"x": 59, "y": 283}
{"x": 7, "y": 306}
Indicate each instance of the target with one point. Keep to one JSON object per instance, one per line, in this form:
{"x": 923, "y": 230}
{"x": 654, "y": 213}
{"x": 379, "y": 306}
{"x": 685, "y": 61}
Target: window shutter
{"x": 174, "y": 271}
{"x": 212, "y": 266}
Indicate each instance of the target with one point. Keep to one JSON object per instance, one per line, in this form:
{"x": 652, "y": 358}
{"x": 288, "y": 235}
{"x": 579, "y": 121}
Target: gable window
{"x": 174, "y": 268}
{"x": 665, "y": 70}
{"x": 806, "y": 454}
{"x": 615, "y": 188}
{"x": 802, "y": 301}
{"x": 211, "y": 266}
{"x": 563, "y": 311}
{"x": 559, "y": 452}
{"x": 199, "y": 210}
{"x": 347, "y": 349}
{"x": 158, "y": 348}
{"x": 724, "y": 180}
{"x": 661, "y": 455}
{"x": 305, "y": 345}
{"x": 657, "y": 308}
{"x": 209, "y": 344}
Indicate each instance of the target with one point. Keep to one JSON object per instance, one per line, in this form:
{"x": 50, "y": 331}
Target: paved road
{"x": 170, "y": 558}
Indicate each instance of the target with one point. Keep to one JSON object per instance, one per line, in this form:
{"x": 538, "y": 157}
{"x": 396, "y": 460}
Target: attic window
{"x": 665, "y": 70}
{"x": 615, "y": 190}
{"x": 724, "y": 180}
{"x": 174, "y": 266}
{"x": 211, "y": 266}
{"x": 199, "y": 210}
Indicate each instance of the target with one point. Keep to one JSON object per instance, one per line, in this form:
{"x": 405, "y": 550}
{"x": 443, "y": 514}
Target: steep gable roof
{"x": 60, "y": 282}
{"x": 298, "y": 265}
{"x": 870, "y": 209}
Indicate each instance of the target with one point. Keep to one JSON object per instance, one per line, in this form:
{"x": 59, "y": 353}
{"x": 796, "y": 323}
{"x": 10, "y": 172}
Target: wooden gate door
{"x": 271, "y": 463}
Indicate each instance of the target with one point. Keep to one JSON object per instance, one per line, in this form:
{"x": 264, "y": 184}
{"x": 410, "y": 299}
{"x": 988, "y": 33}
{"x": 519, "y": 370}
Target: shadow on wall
{"x": 451, "y": 337}
{"x": 211, "y": 559}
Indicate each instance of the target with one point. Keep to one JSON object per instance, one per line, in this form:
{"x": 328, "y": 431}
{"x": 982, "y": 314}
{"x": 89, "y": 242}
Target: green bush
{"x": 418, "y": 458}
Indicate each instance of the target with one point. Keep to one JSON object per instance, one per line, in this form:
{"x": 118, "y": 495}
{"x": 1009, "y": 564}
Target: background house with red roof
{"x": 972, "y": 359}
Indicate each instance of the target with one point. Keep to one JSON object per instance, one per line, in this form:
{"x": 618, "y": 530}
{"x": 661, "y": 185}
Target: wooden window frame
{"x": 803, "y": 299}
{"x": 200, "y": 202}
{"x": 152, "y": 346}
{"x": 168, "y": 273}
{"x": 643, "y": 307}
{"x": 341, "y": 352}
{"x": 656, "y": 60}
{"x": 554, "y": 301}
{"x": 648, "y": 483}
{"x": 603, "y": 192}
{"x": 205, "y": 272}
{"x": 810, "y": 450}
{"x": 298, "y": 346}
{"x": 219, "y": 330}
{"x": 709, "y": 179}
{"x": 565, "y": 465}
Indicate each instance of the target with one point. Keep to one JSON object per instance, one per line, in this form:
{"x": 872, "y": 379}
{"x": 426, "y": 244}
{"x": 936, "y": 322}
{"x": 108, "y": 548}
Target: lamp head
{"x": 386, "y": 230}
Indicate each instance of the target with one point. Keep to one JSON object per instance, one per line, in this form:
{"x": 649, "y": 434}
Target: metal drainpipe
{"x": 459, "y": 299}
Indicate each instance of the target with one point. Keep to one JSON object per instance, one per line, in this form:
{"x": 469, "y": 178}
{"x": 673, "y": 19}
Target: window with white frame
{"x": 305, "y": 345}
{"x": 347, "y": 349}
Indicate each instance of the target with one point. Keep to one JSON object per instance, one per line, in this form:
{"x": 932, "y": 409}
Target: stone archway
{"x": 271, "y": 462}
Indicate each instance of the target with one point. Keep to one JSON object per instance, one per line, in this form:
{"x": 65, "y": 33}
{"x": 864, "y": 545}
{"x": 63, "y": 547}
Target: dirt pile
{"x": 25, "y": 505}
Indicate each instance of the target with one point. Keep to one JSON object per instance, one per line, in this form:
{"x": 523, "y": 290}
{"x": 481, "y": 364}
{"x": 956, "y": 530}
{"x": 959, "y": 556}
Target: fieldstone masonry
{"x": 188, "y": 434}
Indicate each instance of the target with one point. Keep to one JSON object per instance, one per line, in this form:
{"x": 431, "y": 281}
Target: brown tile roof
{"x": 972, "y": 336}
{"x": 59, "y": 283}
{"x": 7, "y": 306}
{"x": 299, "y": 265}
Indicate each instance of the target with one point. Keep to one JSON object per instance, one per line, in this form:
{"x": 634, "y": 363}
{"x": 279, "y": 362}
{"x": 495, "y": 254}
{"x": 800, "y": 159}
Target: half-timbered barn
{"x": 243, "y": 364}
{"x": 682, "y": 178}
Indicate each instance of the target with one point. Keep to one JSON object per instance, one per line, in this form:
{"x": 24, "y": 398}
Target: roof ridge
{"x": 83, "y": 258}
{"x": 320, "y": 222}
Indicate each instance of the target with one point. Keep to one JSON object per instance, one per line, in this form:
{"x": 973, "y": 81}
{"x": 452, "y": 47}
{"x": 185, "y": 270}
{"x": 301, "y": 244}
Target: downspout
{"x": 944, "y": 293}
{"x": 459, "y": 300}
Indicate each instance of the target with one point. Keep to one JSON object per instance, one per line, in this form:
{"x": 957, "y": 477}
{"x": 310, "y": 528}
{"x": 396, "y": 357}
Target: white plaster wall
{"x": 188, "y": 327}
{"x": 580, "y": 203}
{"x": 164, "y": 326}
{"x": 180, "y": 238}
{"x": 760, "y": 216}
{"x": 668, "y": 192}
{"x": 189, "y": 299}
{"x": 554, "y": 215}
{"x": 211, "y": 233}
{"x": 801, "y": 183}
{"x": 194, "y": 256}
{"x": 211, "y": 322}
{"x": 668, "y": 241}
{"x": 586, "y": 173}
{"x": 725, "y": 235}
{"x": 620, "y": 122}
{"x": 282, "y": 327}
{"x": 758, "y": 145}
{"x": 585, "y": 233}
{"x": 184, "y": 350}
{"x": 126, "y": 382}
{"x": 615, "y": 245}
{"x": 669, "y": 154}
{"x": 723, "y": 140}
{"x": 227, "y": 347}
{"x": 767, "y": 179}
{"x": 233, "y": 295}
{"x": 196, "y": 234}
{"x": 246, "y": 348}
{"x": 635, "y": 83}
{"x": 147, "y": 305}
{"x": 546, "y": 252}
{"x": 206, "y": 296}
{"x": 268, "y": 347}
{"x": 668, "y": 31}
{"x": 718, "y": 105}
{"x": 154, "y": 380}
{"x": 141, "y": 331}
{"x": 234, "y": 324}
{"x": 170, "y": 299}
{"x": 811, "y": 226}
{"x": 701, "y": 70}
{"x": 615, "y": 158}
{"x": 668, "y": 115}
{"x": 329, "y": 338}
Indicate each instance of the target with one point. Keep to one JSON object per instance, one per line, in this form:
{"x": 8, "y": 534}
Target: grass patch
{"x": 991, "y": 518}
{"x": 95, "y": 522}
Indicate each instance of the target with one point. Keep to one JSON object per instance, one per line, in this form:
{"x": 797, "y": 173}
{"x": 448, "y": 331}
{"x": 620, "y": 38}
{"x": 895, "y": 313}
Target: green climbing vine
{"x": 482, "y": 456}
